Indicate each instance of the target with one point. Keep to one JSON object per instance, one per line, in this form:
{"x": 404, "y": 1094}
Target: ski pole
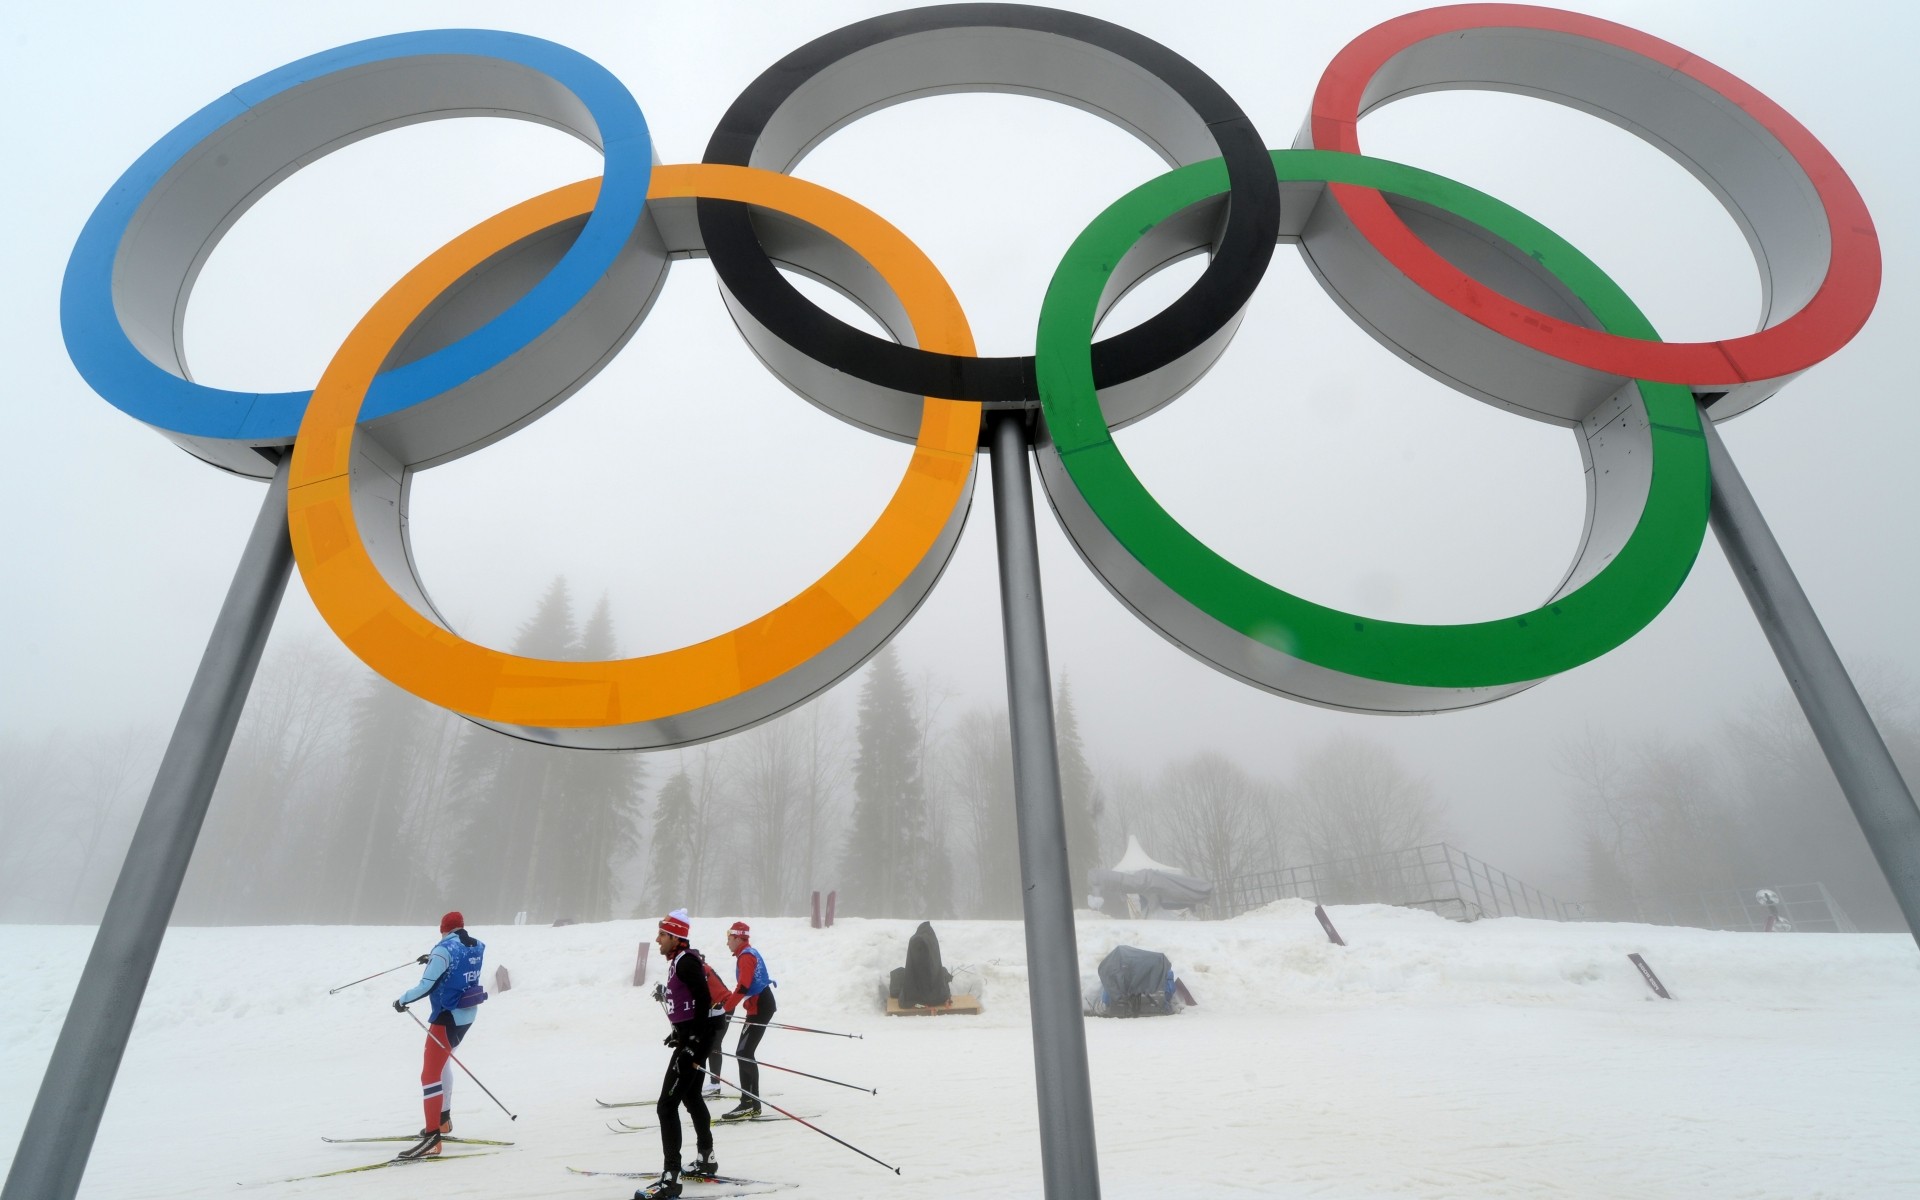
{"x": 511, "y": 1115}
{"x": 809, "y": 1124}
{"x": 822, "y": 1078}
{"x": 377, "y": 974}
{"x": 830, "y": 1033}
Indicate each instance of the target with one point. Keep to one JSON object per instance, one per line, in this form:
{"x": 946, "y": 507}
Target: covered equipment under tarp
{"x": 1134, "y": 983}
{"x": 924, "y": 982}
{"x": 1159, "y": 887}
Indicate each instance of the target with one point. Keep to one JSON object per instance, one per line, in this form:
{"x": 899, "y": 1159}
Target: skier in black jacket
{"x": 688, "y": 1001}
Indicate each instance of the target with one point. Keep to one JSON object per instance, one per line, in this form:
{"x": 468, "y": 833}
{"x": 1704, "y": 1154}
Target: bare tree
{"x": 1690, "y": 831}
{"x": 1131, "y": 811}
{"x": 280, "y": 777}
{"x": 1612, "y": 837}
{"x": 429, "y": 828}
{"x": 1210, "y": 816}
{"x": 35, "y": 775}
{"x": 770, "y": 787}
{"x": 978, "y": 774}
{"x": 1798, "y": 825}
{"x": 1356, "y": 805}
{"x": 118, "y": 770}
{"x": 823, "y": 753}
{"x": 1356, "y": 799}
{"x": 712, "y": 764}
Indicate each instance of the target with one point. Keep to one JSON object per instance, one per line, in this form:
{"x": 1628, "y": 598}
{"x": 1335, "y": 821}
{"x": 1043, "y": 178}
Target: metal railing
{"x": 1808, "y": 908}
{"x": 1438, "y": 878}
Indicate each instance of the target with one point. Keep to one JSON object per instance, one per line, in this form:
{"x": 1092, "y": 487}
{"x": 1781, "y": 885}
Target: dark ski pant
{"x": 753, "y": 1029}
{"x": 682, "y": 1086}
{"x": 721, "y": 1019}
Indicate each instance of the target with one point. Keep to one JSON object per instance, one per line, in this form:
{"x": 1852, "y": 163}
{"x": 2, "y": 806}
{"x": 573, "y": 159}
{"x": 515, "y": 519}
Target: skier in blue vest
{"x": 452, "y": 978}
{"x": 754, "y": 991}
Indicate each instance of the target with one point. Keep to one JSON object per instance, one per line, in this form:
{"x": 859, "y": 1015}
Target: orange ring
{"x": 436, "y": 664}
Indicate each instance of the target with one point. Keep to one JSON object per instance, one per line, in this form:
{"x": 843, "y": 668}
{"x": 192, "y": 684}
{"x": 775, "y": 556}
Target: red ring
{"x": 1824, "y": 324}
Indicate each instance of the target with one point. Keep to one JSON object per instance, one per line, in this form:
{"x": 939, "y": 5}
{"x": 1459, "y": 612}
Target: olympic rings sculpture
{"x": 513, "y": 316}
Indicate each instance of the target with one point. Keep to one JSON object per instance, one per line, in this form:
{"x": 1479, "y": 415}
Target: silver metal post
{"x": 1866, "y": 771}
{"x": 1069, "y": 1164}
{"x": 73, "y": 1094}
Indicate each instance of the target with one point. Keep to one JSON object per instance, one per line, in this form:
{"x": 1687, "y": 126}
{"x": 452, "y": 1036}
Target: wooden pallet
{"x": 959, "y": 1004}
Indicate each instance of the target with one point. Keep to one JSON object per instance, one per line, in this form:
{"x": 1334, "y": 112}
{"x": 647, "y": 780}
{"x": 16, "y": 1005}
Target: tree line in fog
{"x": 345, "y": 799}
{"x": 1755, "y": 806}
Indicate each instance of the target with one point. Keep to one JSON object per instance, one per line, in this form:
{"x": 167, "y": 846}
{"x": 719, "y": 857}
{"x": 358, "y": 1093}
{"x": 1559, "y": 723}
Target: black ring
{"x": 746, "y": 271}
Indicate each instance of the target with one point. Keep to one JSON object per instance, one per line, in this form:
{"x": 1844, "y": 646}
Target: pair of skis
{"x": 618, "y": 1126}
{"x": 396, "y": 1162}
{"x": 651, "y": 1103}
{"x": 447, "y": 1139}
{"x": 706, "y": 1185}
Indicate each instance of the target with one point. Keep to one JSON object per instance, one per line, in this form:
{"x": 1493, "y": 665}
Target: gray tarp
{"x": 1133, "y": 983}
{"x": 1131, "y": 971}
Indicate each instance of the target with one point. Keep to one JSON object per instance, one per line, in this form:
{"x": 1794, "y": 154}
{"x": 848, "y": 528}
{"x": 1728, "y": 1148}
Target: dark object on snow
{"x": 1646, "y": 973}
{"x": 564, "y": 921}
{"x": 640, "y": 965}
{"x": 816, "y": 909}
{"x": 1326, "y": 923}
{"x": 831, "y": 897}
{"x": 924, "y": 982}
{"x": 502, "y": 982}
{"x": 1157, "y": 889}
{"x": 1136, "y": 983}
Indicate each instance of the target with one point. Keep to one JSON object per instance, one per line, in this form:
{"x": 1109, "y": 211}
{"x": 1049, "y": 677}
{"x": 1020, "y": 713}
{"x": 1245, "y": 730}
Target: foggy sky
{"x": 693, "y": 489}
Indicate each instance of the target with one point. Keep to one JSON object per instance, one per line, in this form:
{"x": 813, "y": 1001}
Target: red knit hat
{"x": 675, "y": 923}
{"x": 739, "y": 927}
{"x": 452, "y": 921}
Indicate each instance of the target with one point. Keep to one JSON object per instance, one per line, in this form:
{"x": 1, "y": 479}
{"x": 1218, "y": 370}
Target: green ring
{"x": 1602, "y": 613}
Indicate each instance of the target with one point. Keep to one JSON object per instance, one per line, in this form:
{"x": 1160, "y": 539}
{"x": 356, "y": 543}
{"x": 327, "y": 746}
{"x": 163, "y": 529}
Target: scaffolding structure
{"x": 1437, "y": 877}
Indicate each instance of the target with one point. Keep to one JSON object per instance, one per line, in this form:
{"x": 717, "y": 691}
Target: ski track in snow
{"x": 1508, "y": 1058}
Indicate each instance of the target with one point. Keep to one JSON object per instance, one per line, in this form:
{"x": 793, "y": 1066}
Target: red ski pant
{"x": 436, "y": 1071}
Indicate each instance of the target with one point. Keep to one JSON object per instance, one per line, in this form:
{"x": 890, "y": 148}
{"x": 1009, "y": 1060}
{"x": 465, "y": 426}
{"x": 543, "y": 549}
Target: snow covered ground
{"x": 1507, "y": 1058}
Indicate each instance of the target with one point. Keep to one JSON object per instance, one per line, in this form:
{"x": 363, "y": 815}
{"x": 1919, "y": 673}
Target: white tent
{"x": 1150, "y": 887}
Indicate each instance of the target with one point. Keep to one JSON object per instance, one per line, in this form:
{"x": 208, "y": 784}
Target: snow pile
{"x": 1506, "y": 1058}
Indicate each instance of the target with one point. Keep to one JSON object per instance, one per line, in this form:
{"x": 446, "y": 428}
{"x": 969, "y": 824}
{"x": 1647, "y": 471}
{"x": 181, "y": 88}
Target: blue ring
{"x": 111, "y": 364}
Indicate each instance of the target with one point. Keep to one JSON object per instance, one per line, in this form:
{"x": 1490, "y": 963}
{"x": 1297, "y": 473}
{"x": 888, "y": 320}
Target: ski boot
{"x": 427, "y": 1147}
{"x": 746, "y": 1110}
{"x": 446, "y": 1127}
{"x": 667, "y": 1187}
{"x": 705, "y": 1167}
{"x": 710, "y": 1092}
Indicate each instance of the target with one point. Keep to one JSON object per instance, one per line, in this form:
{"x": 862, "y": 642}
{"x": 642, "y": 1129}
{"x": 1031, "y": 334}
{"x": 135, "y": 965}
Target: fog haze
{"x": 693, "y": 492}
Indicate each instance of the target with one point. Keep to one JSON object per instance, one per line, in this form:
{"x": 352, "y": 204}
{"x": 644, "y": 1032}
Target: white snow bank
{"x": 1506, "y": 1058}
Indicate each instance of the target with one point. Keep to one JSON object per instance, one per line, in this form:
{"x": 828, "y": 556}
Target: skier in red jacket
{"x": 753, "y": 990}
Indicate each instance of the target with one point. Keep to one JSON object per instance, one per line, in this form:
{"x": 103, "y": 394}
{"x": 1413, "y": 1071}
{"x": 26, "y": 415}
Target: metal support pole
{"x": 73, "y": 1094}
{"x": 1866, "y": 771}
{"x": 1069, "y": 1164}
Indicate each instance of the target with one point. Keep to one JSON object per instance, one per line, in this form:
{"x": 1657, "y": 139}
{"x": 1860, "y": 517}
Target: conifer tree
{"x": 889, "y": 855}
{"x": 510, "y": 785}
{"x": 1079, "y": 795}
{"x": 672, "y": 842}
{"x": 602, "y": 806}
